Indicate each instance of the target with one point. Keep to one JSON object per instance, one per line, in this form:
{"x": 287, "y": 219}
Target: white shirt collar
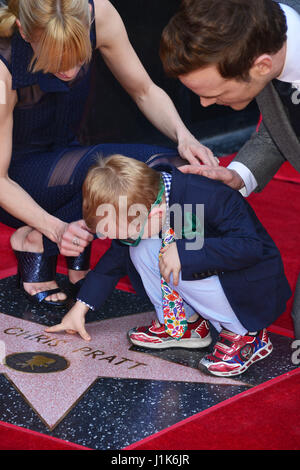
{"x": 291, "y": 69}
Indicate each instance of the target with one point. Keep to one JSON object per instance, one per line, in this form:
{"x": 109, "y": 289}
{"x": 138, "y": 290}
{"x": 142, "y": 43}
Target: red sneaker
{"x": 154, "y": 336}
{"x": 233, "y": 353}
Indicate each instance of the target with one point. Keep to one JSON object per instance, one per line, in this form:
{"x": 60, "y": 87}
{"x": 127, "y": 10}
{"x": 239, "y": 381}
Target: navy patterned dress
{"x": 47, "y": 160}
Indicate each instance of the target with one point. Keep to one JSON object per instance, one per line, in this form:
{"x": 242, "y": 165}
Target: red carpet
{"x": 16, "y": 438}
{"x": 266, "y": 417}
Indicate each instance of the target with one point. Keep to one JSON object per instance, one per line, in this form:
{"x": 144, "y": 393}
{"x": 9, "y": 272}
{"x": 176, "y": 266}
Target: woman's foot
{"x": 29, "y": 240}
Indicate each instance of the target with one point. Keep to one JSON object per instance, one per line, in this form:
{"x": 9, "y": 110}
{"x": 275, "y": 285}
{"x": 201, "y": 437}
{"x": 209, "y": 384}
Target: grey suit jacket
{"x": 276, "y": 141}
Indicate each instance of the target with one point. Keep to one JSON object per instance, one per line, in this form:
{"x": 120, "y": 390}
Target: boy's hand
{"x": 169, "y": 263}
{"x": 73, "y": 322}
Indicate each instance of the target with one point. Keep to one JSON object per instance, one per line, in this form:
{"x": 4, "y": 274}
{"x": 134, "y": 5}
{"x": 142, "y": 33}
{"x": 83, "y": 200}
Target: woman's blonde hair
{"x": 59, "y": 27}
{"x": 116, "y": 176}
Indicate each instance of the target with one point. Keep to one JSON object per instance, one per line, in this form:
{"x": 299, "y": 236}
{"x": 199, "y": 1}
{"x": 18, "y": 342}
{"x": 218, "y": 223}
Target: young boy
{"x": 233, "y": 277}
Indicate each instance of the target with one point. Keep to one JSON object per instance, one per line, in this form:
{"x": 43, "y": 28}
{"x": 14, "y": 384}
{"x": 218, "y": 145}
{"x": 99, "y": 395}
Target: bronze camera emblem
{"x": 36, "y": 362}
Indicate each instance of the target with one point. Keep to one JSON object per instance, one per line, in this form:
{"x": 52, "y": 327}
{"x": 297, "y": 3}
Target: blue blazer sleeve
{"x": 101, "y": 281}
{"x": 231, "y": 238}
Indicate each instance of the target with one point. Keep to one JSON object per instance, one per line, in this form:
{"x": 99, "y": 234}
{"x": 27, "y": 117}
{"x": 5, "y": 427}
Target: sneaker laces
{"x": 226, "y": 341}
{"x": 224, "y": 346}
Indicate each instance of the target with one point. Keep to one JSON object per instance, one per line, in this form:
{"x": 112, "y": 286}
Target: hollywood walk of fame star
{"x": 108, "y": 354}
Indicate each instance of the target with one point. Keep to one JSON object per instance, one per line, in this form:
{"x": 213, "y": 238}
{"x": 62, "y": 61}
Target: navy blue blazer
{"x": 236, "y": 247}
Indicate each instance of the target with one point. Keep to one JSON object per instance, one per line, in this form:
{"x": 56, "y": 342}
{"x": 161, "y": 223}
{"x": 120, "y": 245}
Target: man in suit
{"x": 229, "y": 52}
{"x": 224, "y": 265}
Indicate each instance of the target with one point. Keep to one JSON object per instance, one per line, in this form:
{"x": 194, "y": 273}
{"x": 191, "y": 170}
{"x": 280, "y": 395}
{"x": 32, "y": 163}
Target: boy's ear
{"x": 156, "y": 211}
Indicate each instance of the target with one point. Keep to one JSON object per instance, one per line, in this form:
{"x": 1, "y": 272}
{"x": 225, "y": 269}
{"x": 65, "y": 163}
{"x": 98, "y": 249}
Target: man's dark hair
{"x": 231, "y": 34}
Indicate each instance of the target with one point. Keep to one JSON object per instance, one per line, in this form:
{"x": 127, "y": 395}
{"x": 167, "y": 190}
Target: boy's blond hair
{"x": 116, "y": 176}
{"x": 60, "y": 27}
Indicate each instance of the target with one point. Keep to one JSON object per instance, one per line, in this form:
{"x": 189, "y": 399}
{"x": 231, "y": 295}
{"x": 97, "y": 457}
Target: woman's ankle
{"x": 76, "y": 276}
{"x": 28, "y": 240}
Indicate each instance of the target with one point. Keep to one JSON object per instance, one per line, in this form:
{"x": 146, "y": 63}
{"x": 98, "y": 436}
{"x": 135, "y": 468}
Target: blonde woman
{"x": 45, "y": 52}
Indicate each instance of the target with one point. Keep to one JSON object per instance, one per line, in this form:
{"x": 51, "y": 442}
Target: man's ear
{"x": 262, "y": 66}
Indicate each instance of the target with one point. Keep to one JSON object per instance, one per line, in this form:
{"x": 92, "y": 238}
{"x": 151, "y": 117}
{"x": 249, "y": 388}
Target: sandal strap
{"x": 81, "y": 262}
{"x": 40, "y": 296}
{"x": 36, "y": 267}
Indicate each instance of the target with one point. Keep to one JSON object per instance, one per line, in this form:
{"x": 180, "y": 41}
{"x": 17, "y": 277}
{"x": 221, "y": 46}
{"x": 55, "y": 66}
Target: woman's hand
{"x": 74, "y": 238}
{"x": 195, "y": 153}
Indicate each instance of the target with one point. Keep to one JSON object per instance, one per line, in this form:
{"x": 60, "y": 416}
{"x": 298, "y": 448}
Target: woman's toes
{"x": 33, "y": 289}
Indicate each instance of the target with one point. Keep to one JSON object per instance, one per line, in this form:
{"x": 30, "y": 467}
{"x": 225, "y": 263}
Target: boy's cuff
{"x": 86, "y": 304}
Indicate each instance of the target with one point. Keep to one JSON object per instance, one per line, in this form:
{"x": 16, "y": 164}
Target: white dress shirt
{"x": 290, "y": 74}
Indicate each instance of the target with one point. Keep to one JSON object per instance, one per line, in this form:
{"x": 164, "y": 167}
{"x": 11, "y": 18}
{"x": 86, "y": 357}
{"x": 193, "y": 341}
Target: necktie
{"x": 173, "y": 307}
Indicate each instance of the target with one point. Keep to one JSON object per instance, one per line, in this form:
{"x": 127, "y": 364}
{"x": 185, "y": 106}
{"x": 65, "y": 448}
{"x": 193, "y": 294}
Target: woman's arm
{"x": 120, "y": 57}
{"x": 13, "y": 198}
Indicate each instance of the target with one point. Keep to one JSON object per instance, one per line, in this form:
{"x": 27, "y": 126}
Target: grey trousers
{"x": 296, "y": 310}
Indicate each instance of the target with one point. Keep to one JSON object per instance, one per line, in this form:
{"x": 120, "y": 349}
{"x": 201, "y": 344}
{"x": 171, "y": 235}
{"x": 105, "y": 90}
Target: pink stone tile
{"x": 107, "y": 355}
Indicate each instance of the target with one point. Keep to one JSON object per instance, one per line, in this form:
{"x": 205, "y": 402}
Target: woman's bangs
{"x": 62, "y": 52}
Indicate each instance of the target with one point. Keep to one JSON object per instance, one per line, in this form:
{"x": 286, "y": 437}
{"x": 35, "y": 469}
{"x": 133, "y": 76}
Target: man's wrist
{"x": 237, "y": 181}
{"x": 249, "y": 180}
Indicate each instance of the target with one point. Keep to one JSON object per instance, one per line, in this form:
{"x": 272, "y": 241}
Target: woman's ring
{"x": 76, "y": 242}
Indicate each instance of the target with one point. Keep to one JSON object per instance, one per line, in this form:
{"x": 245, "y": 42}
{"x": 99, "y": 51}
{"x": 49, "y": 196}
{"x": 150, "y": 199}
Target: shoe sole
{"x": 182, "y": 343}
{"x": 266, "y": 350}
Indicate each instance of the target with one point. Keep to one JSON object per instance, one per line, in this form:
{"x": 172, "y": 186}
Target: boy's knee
{"x": 146, "y": 252}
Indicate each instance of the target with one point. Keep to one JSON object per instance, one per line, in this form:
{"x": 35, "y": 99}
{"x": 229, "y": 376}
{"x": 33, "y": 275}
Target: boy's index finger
{"x": 84, "y": 335}
{"x": 55, "y": 328}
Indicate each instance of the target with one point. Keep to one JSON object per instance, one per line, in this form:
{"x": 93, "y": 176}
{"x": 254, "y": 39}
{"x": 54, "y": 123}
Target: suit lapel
{"x": 189, "y": 222}
{"x": 176, "y": 201}
{"x": 279, "y": 127}
{"x": 177, "y": 187}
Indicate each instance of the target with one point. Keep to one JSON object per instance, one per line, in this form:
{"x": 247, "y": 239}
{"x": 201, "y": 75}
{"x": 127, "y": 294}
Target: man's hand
{"x": 196, "y": 153}
{"x": 73, "y": 322}
{"x": 229, "y": 177}
{"x": 74, "y": 238}
{"x": 169, "y": 263}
